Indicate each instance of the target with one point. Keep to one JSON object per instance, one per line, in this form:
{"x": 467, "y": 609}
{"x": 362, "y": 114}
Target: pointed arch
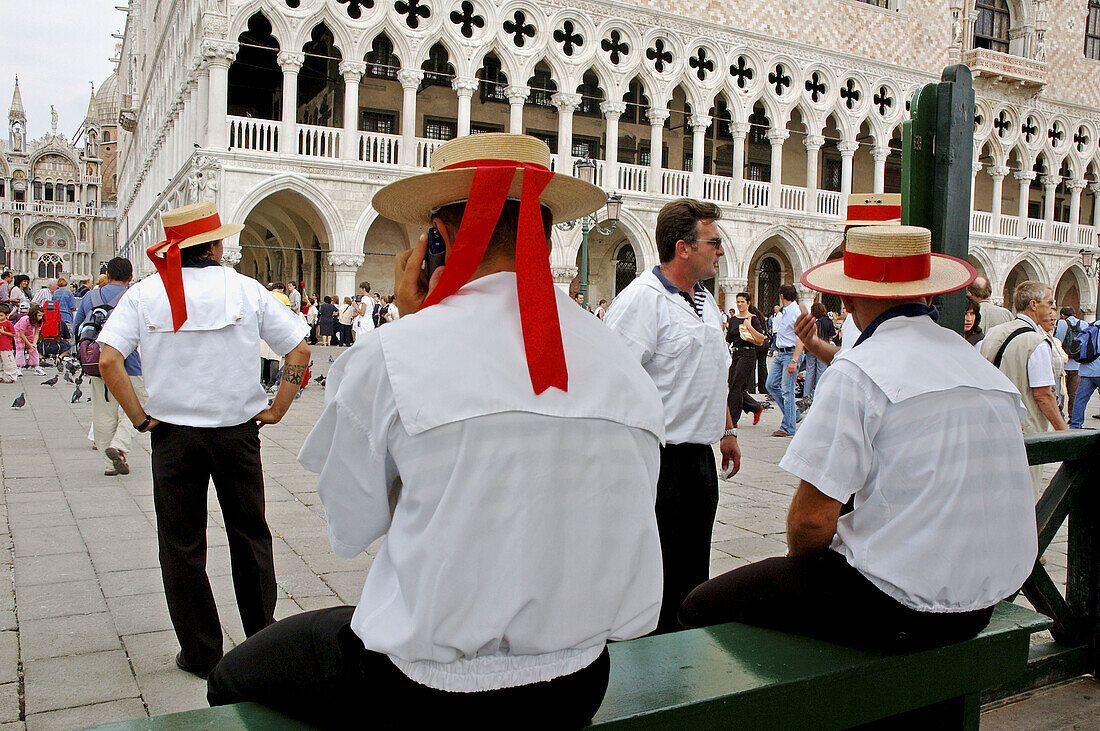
{"x": 280, "y": 29}
{"x": 326, "y": 209}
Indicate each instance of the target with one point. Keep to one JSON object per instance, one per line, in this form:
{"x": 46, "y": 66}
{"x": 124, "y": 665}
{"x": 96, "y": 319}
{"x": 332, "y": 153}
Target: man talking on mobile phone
{"x": 506, "y": 445}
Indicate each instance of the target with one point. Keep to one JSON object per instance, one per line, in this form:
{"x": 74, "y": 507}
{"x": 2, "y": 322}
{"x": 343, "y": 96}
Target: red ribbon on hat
{"x": 170, "y": 267}
{"x": 887, "y": 268}
{"x": 872, "y": 212}
{"x": 538, "y": 310}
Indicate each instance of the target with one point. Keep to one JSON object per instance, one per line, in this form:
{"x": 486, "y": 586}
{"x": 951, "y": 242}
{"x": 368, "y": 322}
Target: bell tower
{"x": 17, "y": 122}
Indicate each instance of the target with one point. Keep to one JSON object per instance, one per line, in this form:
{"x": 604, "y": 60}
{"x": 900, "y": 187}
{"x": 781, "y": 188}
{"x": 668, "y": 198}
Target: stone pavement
{"x": 85, "y": 636}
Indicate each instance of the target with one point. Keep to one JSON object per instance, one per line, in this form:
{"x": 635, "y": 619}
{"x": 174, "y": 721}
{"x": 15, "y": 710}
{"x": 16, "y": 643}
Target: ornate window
{"x": 438, "y": 69}
{"x": 586, "y": 147}
{"x": 991, "y": 25}
{"x": 542, "y": 87}
{"x": 381, "y": 62}
{"x": 637, "y": 103}
{"x": 49, "y": 266}
{"x": 550, "y": 138}
{"x": 626, "y": 267}
{"x": 591, "y": 95}
{"x": 440, "y": 129}
{"x": 492, "y": 80}
{"x": 1092, "y": 31}
{"x": 382, "y": 122}
{"x": 83, "y": 231}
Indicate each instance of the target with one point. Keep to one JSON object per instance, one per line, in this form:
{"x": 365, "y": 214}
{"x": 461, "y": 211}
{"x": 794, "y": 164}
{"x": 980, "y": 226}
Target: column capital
{"x": 814, "y": 143}
{"x": 291, "y": 61}
{"x": 464, "y": 86}
{"x": 699, "y": 121}
{"x": 343, "y": 261}
{"x": 976, "y": 166}
{"x": 847, "y": 149}
{"x": 739, "y": 129}
{"x": 777, "y": 136}
{"x": 216, "y": 52}
{"x": 563, "y": 275}
{"x": 565, "y": 101}
{"x": 879, "y": 154}
{"x": 517, "y": 94}
{"x": 1095, "y": 188}
{"x": 658, "y": 116}
{"x": 352, "y": 71}
{"x": 1050, "y": 181}
{"x": 231, "y": 255}
{"x": 998, "y": 172}
{"x": 1077, "y": 184}
{"x": 410, "y": 78}
{"x": 613, "y": 110}
{"x": 1023, "y": 175}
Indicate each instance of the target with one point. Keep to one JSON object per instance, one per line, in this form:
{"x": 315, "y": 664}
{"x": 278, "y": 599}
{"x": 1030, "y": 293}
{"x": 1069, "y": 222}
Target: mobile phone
{"x": 437, "y": 251}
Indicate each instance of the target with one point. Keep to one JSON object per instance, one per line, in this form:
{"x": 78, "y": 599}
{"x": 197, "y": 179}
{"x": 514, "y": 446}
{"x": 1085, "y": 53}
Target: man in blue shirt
{"x": 1088, "y": 382}
{"x": 783, "y": 375}
{"x": 66, "y": 305}
{"x": 1066, "y": 324}
{"x": 112, "y": 434}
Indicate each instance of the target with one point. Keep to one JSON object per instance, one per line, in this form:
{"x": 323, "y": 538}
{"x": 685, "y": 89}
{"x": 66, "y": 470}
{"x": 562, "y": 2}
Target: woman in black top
{"x": 326, "y": 321}
{"x": 744, "y": 334}
{"x": 972, "y": 322}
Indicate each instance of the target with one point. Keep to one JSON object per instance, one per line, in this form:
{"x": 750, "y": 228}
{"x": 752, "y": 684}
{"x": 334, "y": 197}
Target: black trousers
{"x": 761, "y": 370}
{"x": 687, "y": 500}
{"x": 184, "y": 460}
{"x": 313, "y": 667}
{"x": 740, "y": 378}
{"x": 820, "y": 595}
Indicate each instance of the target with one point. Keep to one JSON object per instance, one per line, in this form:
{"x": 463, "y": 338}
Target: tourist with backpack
{"x": 27, "y": 329}
{"x": 1066, "y": 331}
{"x": 1086, "y": 349}
{"x": 113, "y": 433}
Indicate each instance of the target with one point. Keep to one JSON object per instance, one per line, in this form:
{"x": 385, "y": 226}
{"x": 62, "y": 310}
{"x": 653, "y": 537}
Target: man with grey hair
{"x": 1021, "y": 350}
{"x": 992, "y": 315}
{"x": 44, "y": 295}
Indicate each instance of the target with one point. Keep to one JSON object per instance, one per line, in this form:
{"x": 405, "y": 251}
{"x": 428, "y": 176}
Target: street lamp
{"x": 1089, "y": 263}
{"x": 586, "y": 171}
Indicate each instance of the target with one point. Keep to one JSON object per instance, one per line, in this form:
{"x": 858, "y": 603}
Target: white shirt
{"x": 849, "y": 334}
{"x": 42, "y": 296}
{"x": 523, "y": 536}
{"x": 926, "y": 434}
{"x": 685, "y": 356}
{"x": 784, "y": 326}
{"x": 1040, "y": 369}
{"x": 295, "y": 298}
{"x": 207, "y": 374}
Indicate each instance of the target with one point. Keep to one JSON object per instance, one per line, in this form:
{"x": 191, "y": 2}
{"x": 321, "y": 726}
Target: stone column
{"x": 517, "y": 96}
{"x": 997, "y": 173}
{"x": 1075, "y": 187}
{"x": 291, "y": 63}
{"x": 192, "y": 129}
{"x": 813, "y": 153}
{"x": 776, "y": 137}
{"x": 1050, "y": 182}
{"x": 977, "y": 168}
{"x": 566, "y": 103}
{"x": 563, "y": 277}
{"x": 611, "y": 113}
{"x": 880, "y": 154}
{"x": 738, "y": 130}
{"x": 847, "y": 150}
{"x": 1024, "y": 177}
{"x": 219, "y": 56}
{"x": 657, "y": 118}
{"x": 344, "y": 267}
{"x": 410, "y": 81}
{"x": 202, "y": 100}
{"x": 699, "y": 125}
{"x": 352, "y": 71}
{"x": 1095, "y": 188}
{"x": 464, "y": 86}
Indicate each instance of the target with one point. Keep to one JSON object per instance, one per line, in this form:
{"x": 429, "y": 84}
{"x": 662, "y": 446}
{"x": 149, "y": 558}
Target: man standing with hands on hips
{"x": 199, "y": 326}
{"x": 788, "y": 351}
{"x": 672, "y": 324}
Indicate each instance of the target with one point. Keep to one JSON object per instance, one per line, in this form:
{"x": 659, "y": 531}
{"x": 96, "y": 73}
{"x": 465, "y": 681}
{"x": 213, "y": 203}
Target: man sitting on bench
{"x": 923, "y": 435}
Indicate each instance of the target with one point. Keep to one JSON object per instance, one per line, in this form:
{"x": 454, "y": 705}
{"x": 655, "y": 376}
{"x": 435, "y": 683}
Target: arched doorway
{"x": 604, "y": 251}
{"x": 769, "y": 277}
{"x": 1023, "y": 271}
{"x": 769, "y": 268}
{"x": 1070, "y": 289}
{"x": 385, "y": 239}
{"x": 626, "y": 266}
{"x": 284, "y": 239}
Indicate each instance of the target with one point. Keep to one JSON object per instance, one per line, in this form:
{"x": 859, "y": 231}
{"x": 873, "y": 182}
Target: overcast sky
{"x": 56, "y": 47}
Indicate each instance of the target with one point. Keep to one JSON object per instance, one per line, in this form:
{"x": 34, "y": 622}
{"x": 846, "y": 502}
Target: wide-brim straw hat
{"x": 414, "y": 199}
{"x": 198, "y": 223}
{"x": 873, "y": 209}
{"x": 890, "y": 262}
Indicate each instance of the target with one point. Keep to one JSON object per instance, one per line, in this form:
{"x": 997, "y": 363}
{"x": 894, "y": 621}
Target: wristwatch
{"x": 144, "y": 425}
{"x": 727, "y": 433}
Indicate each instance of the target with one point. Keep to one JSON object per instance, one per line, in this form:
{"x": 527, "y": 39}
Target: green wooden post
{"x": 917, "y": 163}
{"x": 954, "y": 158}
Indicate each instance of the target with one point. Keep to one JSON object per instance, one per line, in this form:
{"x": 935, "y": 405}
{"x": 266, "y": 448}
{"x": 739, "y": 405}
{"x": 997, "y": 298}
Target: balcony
{"x": 48, "y": 208}
{"x": 1008, "y": 227}
{"x": 997, "y": 66}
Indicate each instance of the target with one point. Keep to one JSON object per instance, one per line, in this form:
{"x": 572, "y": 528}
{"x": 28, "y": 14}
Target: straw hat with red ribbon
{"x": 484, "y": 171}
{"x": 890, "y": 262}
{"x": 873, "y": 209}
{"x": 191, "y": 225}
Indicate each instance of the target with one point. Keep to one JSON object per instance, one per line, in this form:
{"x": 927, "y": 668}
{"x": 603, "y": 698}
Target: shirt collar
{"x": 698, "y": 287}
{"x": 202, "y": 264}
{"x": 1029, "y": 321}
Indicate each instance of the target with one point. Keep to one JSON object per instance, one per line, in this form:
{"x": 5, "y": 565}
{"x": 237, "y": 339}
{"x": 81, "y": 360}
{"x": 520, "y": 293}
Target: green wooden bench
{"x": 734, "y": 675}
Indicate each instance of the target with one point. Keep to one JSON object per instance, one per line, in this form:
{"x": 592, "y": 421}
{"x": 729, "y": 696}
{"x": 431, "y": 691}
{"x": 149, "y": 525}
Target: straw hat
{"x": 192, "y": 225}
{"x": 414, "y": 199}
{"x": 890, "y": 262}
{"x": 873, "y": 209}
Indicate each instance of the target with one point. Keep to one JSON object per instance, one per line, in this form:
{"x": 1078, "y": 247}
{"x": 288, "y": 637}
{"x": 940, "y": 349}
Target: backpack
{"x": 87, "y": 347}
{"x": 1072, "y": 331}
{"x": 379, "y": 315}
{"x": 51, "y": 327}
{"x": 1085, "y": 348}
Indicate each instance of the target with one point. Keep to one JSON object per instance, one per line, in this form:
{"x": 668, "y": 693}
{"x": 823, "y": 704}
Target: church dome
{"x": 108, "y": 102}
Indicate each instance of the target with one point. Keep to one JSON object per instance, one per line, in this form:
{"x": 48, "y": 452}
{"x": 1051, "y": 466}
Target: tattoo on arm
{"x": 294, "y": 373}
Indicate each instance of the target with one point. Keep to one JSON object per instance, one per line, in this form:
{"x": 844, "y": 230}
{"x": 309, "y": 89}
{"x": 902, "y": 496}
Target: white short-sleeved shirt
{"x": 208, "y": 373}
{"x": 926, "y": 434}
{"x": 849, "y": 334}
{"x": 685, "y": 355}
{"x": 523, "y": 535}
{"x": 784, "y": 326}
{"x": 1040, "y": 369}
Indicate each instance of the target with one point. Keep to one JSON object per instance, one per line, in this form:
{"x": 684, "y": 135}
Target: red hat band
{"x": 887, "y": 268}
{"x": 176, "y": 234}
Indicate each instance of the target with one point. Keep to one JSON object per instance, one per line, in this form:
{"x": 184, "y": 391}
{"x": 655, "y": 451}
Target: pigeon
{"x": 320, "y": 379}
{"x": 331, "y": 359}
{"x": 76, "y": 395}
{"x": 19, "y": 402}
{"x": 51, "y": 382}
{"x": 79, "y": 379}
{"x": 69, "y": 378}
